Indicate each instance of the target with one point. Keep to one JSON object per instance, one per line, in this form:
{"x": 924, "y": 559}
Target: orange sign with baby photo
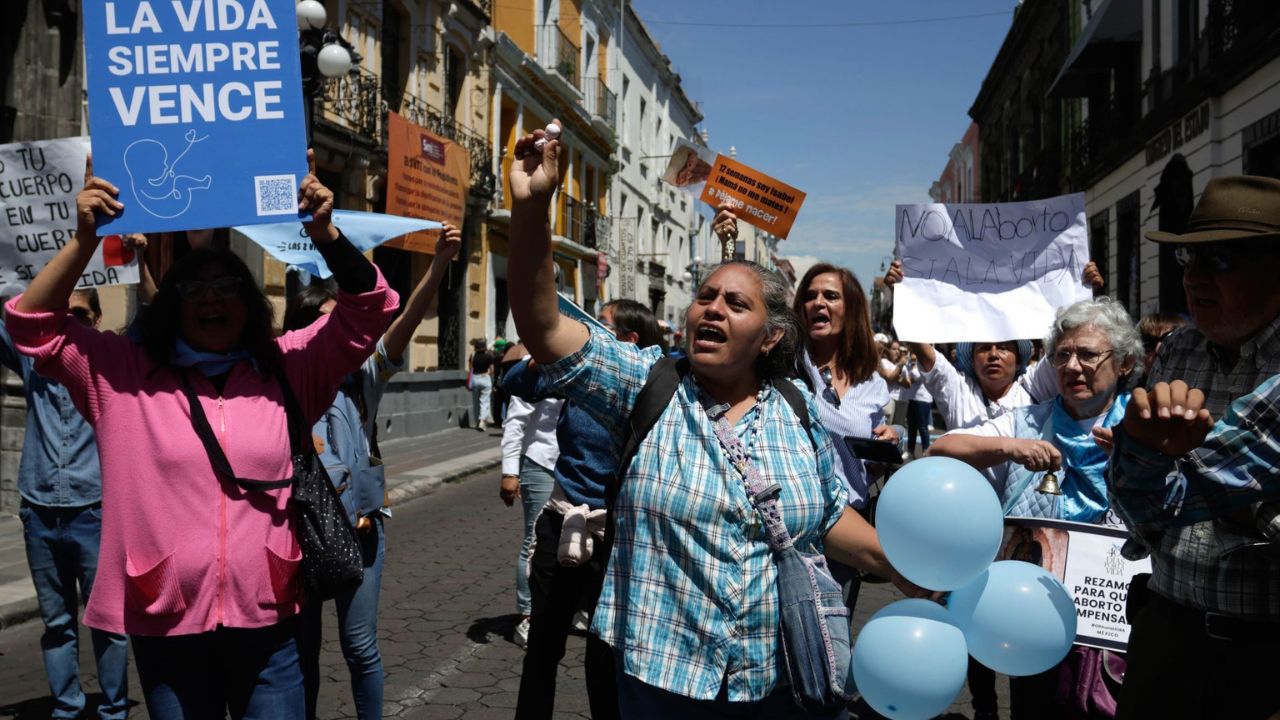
{"x": 760, "y": 200}
{"x": 427, "y": 177}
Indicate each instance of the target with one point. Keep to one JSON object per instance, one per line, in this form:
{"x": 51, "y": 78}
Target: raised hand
{"x": 317, "y": 199}
{"x": 535, "y": 175}
{"x": 725, "y": 223}
{"x": 1171, "y": 418}
{"x": 894, "y": 276}
{"x": 97, "y": 197}
{"x": 1092, "y": 276}
{"x": 449, "y": 243}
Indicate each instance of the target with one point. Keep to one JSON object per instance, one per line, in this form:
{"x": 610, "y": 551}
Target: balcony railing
{"x": 583, "y": 225}
{"x": 356, "y": 102}
{"x": 600, "y": 100}
{"x": 559, "y": 54}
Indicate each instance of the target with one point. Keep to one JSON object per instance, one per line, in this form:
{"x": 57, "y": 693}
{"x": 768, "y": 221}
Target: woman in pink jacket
{"x": 201, "y": 574}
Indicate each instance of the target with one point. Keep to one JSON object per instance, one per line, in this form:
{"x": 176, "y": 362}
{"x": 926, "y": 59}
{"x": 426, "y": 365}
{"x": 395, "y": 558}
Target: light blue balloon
{"x": 1017, "y": 618}
{"x": 910, "y": 660}
{"x": 940, "y": 523}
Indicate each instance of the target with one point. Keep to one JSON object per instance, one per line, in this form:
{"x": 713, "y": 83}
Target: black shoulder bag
{"x": 331, "y": 559}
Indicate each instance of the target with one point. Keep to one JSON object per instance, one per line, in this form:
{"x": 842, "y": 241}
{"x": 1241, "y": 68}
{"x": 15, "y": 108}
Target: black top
{"x": 481, "y": 362}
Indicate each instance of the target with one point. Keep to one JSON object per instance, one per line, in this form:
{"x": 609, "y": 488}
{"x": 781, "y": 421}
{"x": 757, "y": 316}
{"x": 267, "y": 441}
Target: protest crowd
{"x": 1063, "y": 499}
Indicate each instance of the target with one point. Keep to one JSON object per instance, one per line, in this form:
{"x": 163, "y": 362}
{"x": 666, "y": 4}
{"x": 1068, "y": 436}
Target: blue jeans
{"x": 62, "y": 552}
{"x": 918, "y": 413}
{"x": 251, "y": 673}
{"x": 481, "y": 399}
{"x": 357, "y": 632}
{"x": 536, "y": 483}
{"x": 638, "y": 701}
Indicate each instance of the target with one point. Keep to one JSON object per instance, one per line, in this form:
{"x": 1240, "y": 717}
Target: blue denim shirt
{"x": 588, "y": 459}
{"x": 59, "y": 466}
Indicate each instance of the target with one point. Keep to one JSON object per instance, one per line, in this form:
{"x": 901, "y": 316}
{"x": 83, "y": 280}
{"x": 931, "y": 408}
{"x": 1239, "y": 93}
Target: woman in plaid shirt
{"x": 690, "y": 599}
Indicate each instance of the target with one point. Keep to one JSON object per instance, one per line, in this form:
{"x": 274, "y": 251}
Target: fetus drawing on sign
{"x": 156, "y": 181}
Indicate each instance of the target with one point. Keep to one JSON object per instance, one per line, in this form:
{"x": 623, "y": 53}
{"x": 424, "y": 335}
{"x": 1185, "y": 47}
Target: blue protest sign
{"x": 195, "y": 110}
{"x": 288, "y": 241}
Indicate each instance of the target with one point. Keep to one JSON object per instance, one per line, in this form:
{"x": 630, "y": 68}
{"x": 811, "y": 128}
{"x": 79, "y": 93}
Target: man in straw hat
{"x": 1206, "y": 632}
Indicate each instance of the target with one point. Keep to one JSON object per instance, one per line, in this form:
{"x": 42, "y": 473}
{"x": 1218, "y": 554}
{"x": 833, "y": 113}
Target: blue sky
{"x": 860, "y": 118}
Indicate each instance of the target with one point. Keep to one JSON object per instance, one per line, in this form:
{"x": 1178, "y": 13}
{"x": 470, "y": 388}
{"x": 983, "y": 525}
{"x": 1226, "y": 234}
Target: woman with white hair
{"x": 1093, "y": 347}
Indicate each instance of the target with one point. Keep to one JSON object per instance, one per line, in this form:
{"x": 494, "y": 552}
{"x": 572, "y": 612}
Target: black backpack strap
{"x": 659, "y": 387}
{"x": 217, "y": 457}
{"x": 796, "y": 400}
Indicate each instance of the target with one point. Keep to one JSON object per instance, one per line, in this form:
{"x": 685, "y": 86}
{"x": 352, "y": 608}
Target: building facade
{"x": 960, "y": 181}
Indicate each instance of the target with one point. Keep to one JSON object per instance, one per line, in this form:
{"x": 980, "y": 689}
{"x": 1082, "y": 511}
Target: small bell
{"x": 1049, "y": 485}
{"x": 364, "y": 524}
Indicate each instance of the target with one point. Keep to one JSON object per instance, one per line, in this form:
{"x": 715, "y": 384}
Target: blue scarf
{"x": 207, "y": 363}
{"x": 1084, "y": 464}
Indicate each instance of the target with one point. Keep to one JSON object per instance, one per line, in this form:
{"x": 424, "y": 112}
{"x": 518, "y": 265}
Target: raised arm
{"x": 419, "y": 303}
{"x": 983, "y": 451}
{"x": 531, "y": 276}
{"x": 924, "y": 352}
{"x": 52, "y": 286}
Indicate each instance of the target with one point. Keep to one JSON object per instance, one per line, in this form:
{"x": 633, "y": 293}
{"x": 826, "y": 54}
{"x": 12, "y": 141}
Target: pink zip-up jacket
{"x": 184, "y": 551}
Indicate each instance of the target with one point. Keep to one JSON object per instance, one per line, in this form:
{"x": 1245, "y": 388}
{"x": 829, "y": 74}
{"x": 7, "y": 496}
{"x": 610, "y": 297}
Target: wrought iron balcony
{"x": 600, "y": 100}
{"x": 584, "y": 226}
{"x": 354, "y": 101}
{"x": 560, "y": 54}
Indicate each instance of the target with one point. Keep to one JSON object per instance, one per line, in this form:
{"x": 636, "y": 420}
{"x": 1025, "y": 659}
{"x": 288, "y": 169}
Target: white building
{"x": 1176, "y": 92}
{"x": 656, "y": 228}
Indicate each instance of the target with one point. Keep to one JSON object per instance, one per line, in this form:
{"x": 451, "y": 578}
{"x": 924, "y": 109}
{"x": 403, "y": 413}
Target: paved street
{"x": 447, "y": 605}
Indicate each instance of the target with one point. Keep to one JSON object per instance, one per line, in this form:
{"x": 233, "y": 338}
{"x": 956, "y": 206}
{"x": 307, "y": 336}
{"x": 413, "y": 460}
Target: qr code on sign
{"x": 276, "y": 194}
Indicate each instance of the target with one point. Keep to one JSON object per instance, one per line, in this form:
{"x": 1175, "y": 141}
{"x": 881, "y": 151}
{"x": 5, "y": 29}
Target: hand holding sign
{"x": 98, "y": 196}
{"x": 1171, "y": 418}
{"x": 535, "y": 175}
{"x": 317, "y": 199}
{"x": 725, "y": 223}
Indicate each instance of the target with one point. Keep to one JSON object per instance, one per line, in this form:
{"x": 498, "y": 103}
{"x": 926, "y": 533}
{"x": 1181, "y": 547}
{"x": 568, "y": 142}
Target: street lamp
{"x": 693, "y": 271}
{"x": 325, "y": 54}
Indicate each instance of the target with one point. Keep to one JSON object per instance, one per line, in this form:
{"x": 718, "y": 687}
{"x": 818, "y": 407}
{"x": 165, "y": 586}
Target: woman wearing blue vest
{"x": 346, "y": 441}
{"x": 1093, "y": 348}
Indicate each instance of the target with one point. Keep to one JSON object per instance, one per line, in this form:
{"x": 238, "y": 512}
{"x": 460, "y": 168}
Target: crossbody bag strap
{"x": 763, "y": 497}
{"x": 217, "y": 457}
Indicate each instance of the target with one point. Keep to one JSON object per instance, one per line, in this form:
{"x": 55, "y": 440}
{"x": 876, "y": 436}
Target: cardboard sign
{"x": 689, "y": 167}
{"x": 195, "y": 108}
{"x": 427, "y": 177}
{"x": 1087, "y": 559}
{"x": 988, "y": 272}
{"x": 38, "y": 186}
{"x": 760, "y": 200}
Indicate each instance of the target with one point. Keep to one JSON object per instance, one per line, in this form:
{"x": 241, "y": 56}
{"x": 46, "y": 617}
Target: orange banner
{"x": 427, "y": 177}
{"x": 760, "y": 200}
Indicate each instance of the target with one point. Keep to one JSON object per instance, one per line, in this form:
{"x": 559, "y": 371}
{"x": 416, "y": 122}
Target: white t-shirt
{"x": 962, "y": 403}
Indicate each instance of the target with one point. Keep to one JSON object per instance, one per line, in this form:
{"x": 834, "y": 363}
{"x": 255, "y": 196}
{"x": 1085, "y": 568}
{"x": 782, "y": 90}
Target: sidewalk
{"x": 415, "y": 467}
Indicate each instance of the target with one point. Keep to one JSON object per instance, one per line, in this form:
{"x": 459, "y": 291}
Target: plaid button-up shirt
{"x": 1220, "y": 565}
{"x": 690, "y": 596}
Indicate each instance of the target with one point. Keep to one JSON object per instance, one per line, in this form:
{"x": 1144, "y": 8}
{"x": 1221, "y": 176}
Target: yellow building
{"x": 552, "y": 61}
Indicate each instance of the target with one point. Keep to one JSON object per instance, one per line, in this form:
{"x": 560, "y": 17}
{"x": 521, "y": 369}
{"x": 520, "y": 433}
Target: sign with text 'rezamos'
{"x": 195, "y": 110}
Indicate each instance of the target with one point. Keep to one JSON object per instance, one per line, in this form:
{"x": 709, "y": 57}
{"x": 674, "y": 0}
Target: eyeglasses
{"x": 1089, "y": 359}
{"x": 1151, "y": 342}
{"x": 223, "y": 288}
{"x": 825, "y": 374}
{"x": 1214, "y": 257}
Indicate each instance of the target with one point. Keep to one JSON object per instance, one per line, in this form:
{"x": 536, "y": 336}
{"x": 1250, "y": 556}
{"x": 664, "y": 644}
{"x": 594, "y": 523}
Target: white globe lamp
{"x": 311, "y": 15}
{"x": 333, "y": 60}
